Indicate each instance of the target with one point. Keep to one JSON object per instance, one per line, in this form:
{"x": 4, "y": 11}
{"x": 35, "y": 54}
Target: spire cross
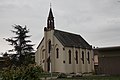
{"x": 50, "y": 5}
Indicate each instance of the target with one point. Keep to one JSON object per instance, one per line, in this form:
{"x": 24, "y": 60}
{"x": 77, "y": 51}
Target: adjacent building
{"x": 108, "y": 60}
{"x": 64, "y": 52}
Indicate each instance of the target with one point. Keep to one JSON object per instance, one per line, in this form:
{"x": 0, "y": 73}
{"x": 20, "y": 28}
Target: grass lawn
{"x": 48, "y": 75}
{"x": 93, "y": 78}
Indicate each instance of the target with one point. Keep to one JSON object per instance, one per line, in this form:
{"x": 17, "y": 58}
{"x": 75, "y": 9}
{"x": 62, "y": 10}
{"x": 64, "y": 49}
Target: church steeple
{"x": 50, "y": 21}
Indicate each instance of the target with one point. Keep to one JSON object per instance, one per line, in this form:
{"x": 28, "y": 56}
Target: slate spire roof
{"x": 50, "y": 14}
{"x": 71, "y": 40}
{"x": 50, "y": 20}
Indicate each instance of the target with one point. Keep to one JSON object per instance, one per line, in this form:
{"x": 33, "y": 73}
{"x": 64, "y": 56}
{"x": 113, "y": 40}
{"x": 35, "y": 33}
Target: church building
{"x": 64, "y": 52}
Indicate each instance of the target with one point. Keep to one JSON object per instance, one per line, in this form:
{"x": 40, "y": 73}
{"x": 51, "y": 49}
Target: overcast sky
{"x": 97, "y": 21}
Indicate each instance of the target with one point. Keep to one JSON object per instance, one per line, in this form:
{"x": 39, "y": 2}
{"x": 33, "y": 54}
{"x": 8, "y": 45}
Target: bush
{"x": 62, "y": 75}
{"x": 30, "y": 72}
{"x": 77, "y": 75}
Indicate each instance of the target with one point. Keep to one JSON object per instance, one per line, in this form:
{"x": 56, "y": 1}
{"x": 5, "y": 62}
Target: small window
{"x": 57, "y": 53}
{"x": 83, "y": 57}
{"x": 88, "y": 57}
{"x": 76, "y": 57}
{"x": 69, "y": 56}
{"x": 64, "y": 61}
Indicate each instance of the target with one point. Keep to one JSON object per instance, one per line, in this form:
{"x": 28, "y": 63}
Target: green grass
{"x": 93, "y": 78}
{"x": 48, "y": 74}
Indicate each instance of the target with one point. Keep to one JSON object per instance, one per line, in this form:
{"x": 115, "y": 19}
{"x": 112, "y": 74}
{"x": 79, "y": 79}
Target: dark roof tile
{"x": 71, "y": 40}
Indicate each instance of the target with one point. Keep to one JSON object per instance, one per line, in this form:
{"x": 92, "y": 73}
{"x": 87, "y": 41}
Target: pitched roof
{"x": 71, "y": 40}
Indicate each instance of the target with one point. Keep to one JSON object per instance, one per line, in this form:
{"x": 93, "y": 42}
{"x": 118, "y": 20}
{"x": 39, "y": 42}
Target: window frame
{"x": 49, "y": 46}
{"x": 70, "y": 57}
{"x": 88, "y": 57}
{"x": 57, "y": 53}
{"x": 83, "y": 57}
{"x": 76, "y": 56}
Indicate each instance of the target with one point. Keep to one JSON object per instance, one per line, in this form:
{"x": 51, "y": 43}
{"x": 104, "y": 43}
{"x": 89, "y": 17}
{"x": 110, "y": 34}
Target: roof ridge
{"x": 67, "y": 32}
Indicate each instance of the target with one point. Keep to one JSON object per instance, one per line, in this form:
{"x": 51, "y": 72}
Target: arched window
{"x": 88, "y": 57}
{"x": 76, "y": 57}
{"x": 69, "y": 56}
{"x": 49, "y": 46}
{"x": 57, "y": 53}
{"x": 83, "y": 57}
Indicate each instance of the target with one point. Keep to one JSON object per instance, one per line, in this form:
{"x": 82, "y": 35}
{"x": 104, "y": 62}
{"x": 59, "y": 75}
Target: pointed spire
{"x": 50, "y": 20}
{"x": 50, "y": 14}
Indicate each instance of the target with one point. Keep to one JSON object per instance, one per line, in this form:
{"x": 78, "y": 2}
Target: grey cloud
{"x": 96, "y": 20}
{"x": 106, "y": 7}
{"x": 112, "y": 30}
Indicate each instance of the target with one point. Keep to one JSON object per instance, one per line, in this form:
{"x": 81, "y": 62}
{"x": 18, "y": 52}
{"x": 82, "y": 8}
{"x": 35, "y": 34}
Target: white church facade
{"x": 64, "y": 52}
